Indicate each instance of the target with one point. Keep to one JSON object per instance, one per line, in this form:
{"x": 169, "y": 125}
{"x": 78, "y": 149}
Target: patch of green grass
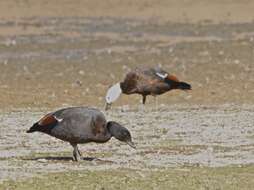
{"x": 226, "y": 178}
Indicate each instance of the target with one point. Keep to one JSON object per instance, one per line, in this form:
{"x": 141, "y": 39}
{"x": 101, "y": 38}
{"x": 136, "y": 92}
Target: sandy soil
{"x": 72, "y": 61}
{"x": 51, "y": 60}
{"x": 169, "y": 137}
{"x": 55, "y": 56}
{"x": 162, "y": 10}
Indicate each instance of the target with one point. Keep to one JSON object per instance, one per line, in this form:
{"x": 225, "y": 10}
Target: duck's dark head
{"x": 120, "y": 133}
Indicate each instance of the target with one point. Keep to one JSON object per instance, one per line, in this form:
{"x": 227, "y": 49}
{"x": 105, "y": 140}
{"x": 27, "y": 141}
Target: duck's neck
{"x": 112, "y": 128}
{"x": 121, "y": 85}
{"x": 115, "y": 129}
{"x": 103, "y": 137}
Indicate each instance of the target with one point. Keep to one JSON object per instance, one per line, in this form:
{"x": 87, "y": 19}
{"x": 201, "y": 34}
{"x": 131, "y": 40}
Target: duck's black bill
{"x": 107, "y": 106}
{"x": 131, "y": 144}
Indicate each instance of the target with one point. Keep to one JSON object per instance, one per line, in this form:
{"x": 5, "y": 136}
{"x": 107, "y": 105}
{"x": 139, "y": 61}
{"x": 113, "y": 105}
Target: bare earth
{"x": 170, "y": 137}
{"x": 55, "y": 54}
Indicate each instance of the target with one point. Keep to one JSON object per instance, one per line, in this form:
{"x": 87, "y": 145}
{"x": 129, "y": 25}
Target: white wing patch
{"x": 58, "y": 119}
{"x": 162, "y": 75}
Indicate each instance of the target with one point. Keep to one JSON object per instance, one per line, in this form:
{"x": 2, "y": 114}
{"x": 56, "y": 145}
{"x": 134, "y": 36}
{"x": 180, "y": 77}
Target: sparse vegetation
{"x": 57, "y": 54}
{"x": 225, "y": 178}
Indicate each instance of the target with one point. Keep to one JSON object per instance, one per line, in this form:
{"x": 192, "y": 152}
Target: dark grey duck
{"x": 78, "y": 125}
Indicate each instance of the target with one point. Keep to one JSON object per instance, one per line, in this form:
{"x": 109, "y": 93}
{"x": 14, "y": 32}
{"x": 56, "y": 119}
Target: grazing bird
{"x": 152, "y": 81}
{"x": 78, "y": 125}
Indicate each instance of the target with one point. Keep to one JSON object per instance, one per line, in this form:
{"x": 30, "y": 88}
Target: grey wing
{"x": 77, "y": 124}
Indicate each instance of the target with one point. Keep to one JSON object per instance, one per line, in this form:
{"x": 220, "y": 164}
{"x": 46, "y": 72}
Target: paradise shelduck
{"x": 78, "y": 125}
{"x": 151, "y": 81}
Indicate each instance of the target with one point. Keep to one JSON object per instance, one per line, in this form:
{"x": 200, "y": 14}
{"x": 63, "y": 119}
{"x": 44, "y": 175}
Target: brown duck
{"x": 151, "y": 81}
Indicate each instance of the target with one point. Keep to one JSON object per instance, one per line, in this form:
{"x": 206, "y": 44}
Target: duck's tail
{"x": 184, "y": 86}
{"x": 34, "y": 128}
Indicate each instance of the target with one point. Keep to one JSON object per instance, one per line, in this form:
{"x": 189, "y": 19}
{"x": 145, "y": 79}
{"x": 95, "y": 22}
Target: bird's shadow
{"x": 58, "y": 158}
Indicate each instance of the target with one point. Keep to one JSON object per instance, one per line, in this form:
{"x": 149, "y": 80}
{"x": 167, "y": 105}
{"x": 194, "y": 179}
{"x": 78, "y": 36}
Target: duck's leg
{"x": 144, "y": 99}
{"x": 76, "y": 152}
{"x": 142, "y": 106}
{"x": 107, "y": 106}
{"x": 79, "y": 152}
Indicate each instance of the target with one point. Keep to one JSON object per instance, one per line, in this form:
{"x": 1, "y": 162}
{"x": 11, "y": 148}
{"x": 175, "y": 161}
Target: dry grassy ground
{"x": 171, "y": 141}
{"x": 158, "y": 10}
{"x": 62, "y": 53}
{"x": 52, "y": 60}
{"x": 72, "y": 61}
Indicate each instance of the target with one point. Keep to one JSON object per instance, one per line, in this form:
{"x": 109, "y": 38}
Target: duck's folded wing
{"x": 49, "y": 119}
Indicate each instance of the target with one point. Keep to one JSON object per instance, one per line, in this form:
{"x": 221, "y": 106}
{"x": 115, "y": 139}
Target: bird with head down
{"x": 78, "y": 125}
{"x": 151, "y": 81}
